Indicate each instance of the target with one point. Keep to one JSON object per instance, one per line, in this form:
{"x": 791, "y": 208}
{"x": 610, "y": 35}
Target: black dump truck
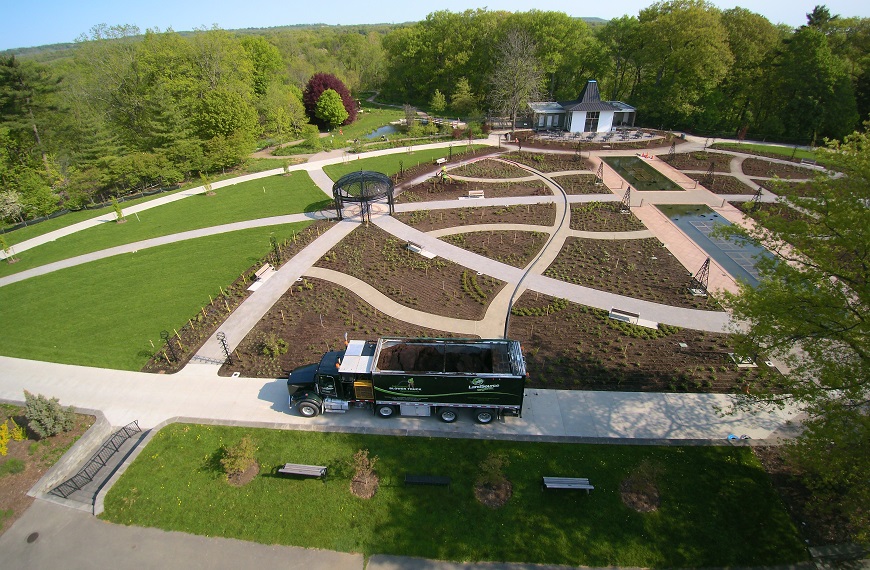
{"x": 414, "y": 377}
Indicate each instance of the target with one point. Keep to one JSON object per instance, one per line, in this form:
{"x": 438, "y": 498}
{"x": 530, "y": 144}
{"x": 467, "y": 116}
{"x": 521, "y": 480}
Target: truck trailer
{"x": 414, "y": 377}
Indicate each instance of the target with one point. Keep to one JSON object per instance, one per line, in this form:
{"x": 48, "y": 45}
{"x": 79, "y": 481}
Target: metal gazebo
{"x": 363, "y": 188}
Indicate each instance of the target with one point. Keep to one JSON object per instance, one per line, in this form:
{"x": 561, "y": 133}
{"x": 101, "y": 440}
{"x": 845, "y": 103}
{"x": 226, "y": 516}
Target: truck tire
{"x": 385, "y": 411}
{"x": 447, "y": 415}
{"x": 307, "y": 408}
{"x": 484, "y": 416}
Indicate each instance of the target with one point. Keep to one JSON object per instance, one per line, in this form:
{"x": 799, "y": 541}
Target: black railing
{"x": 97, "y": 461}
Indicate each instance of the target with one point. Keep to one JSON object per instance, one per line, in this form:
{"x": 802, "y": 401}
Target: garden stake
{"x": 227, "y": 305}
{"x": 152, "y": 343}
{"x": 210, "y": 300}
{"x": 282, "y": 317}
{"x": 176, "y": 333}
{"x": 181, "y": 346}
{"x": 203, "y": 311}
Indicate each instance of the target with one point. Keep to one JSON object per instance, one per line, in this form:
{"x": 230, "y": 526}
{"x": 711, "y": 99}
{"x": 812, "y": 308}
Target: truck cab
{"x": 334, "y": 383}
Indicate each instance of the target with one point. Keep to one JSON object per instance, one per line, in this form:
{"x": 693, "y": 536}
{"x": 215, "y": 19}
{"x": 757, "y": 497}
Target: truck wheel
{"x": 386, "y": 411}
{"x": 308, "y": 409}
{"x": 447, "y": 415}
{"x": 484, "y": 416}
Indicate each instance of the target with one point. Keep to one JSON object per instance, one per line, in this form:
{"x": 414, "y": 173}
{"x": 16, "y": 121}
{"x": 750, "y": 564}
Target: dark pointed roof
{"x": 589, "y": 100}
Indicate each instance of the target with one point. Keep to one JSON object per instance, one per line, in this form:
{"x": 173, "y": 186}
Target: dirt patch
{"x": 33, "y": 458}
{"x": 514, "y": 248}
{"x": 432, "y": 285}
{"x": 767, "y": 169}
{"x": 639, "y": 268}
{"x": 660, "y": 138}
{"x": 700, "y": 161}
{"x": 723, "y": 184}
{"x": 494, "y": 496}
{"x": 312, "y": 318}
{"x": 603, "y": 217}
{"x": 530, "y": 214}
{"x": 581, "y": 184}
{"x": 640, "y": 496}
{"x": 453, "y": 189}
{"x": 245, "y": 477}
{"x": 574, "y": 347}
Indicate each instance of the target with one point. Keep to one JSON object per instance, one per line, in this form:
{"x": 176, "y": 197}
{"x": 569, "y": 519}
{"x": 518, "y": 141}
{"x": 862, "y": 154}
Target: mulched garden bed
{"x": 453, "y": 189}
{"x": 639, "y": 268}
{"x": 743, "y": 150}
{"x": 435, "y": 285}
{"x": 549, "y": 162}
{"x": 311, "y": 319}
{"x": 571, "y": 346}
{"x": 767, "y": 169}
{"x": 511, "y": 247}
{"x": 603, "y": 217}
{"x": 489, "y": 168}
{"x": 531, "y": 214}
{"x": 723, "y": 184}
{"x": 700, "y": 161}
{"x": 189, "y": 339}
{"x": 774, "y": 209}
{"x": 28, "y": 460}
{"x": 581, "y": 184}
{"x": 786, "y": 188}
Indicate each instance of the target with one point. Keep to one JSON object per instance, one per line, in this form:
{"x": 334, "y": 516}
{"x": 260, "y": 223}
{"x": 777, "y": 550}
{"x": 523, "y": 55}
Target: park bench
{"x": 475, "y": 194}
{"x": 441, "y": 160}
{"x": 427, "y": 480}
{"x": 567, "y": 483}
{"x": 417, "y": 248}
{"x": 263, "y": 270}
{"x": 304, "y": 470}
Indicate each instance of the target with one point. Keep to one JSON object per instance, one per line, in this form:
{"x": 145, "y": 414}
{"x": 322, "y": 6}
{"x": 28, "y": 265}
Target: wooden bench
{"x": 567, "y": 483}
{"x": 263, "y": 270}
{"x": 417, "y": 248}
{"x": 441, "y": 160}
{"x": 427, "y": 480}
{"x": 304, "y": 470}
{"x": 475, "y": 194}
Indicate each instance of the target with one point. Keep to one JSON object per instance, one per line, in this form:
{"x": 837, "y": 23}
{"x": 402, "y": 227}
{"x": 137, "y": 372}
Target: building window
{"x": 591, "y": 122}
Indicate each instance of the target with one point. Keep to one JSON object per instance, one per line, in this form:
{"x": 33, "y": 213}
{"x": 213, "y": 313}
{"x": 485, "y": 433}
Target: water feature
{"x": 640, "y": 175}
{"x": 735, "y": 256}
{"x": 382, "y": 131}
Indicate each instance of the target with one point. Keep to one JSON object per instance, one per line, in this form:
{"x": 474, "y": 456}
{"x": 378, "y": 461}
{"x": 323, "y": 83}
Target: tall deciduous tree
{"x": 812, "y": 311}
{"x": 330, "y": 110}
{"x": 463, "y": 100}
{"x": 317, "y": 85}
{"x": 517, "y": 77}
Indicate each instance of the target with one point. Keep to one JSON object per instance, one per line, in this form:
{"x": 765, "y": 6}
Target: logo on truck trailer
{"x": 479, "y": 385}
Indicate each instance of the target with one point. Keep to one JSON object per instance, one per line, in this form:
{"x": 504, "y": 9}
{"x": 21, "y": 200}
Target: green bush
{"x": 47, "y": 417}
{"x": 273, "y": 346}
{"x": 238, "y": 458}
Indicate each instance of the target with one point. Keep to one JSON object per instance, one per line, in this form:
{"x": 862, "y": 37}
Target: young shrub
{"x": 273, "y": 346}
{"x": 119, "y": 212}
{"x": 17, "y": 432}
{"x": 239, "y": 458}
{"x": 4, "y": 439}
{"x": 46, "y": 417}
{"x": 11, "y": 466}
{"x": 365, "y": 481}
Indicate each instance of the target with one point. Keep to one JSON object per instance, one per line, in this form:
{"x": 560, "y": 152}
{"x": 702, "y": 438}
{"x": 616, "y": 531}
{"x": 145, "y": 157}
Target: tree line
{"x": 122, "y": 111}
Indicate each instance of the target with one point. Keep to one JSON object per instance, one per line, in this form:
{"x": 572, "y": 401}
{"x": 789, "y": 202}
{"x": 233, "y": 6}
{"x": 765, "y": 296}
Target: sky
{"x": 27, "y": 23}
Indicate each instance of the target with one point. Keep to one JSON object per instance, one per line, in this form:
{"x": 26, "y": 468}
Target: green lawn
{"x": 28, "y": 232}
{"x": 265, "y": 197}
{"x": 717, "y": 505}
{"x": 784, "y": 151}
{"x": 389, "y": 164}
{"x": 104, "y": 313}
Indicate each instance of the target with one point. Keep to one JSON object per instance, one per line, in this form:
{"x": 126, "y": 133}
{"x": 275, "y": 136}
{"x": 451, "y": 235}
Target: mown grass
{"x": 261, "y": 198}
{"x": 251, "y": 165}
{"x": 105, "y": 312}
{"x": 784, "y": 151}
{"x": 717, "y": 505}
{"x": 390, "y": 164}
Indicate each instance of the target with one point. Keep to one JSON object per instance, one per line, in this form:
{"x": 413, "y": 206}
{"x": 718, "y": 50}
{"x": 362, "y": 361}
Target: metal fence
{"x": 97, "y": 461}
